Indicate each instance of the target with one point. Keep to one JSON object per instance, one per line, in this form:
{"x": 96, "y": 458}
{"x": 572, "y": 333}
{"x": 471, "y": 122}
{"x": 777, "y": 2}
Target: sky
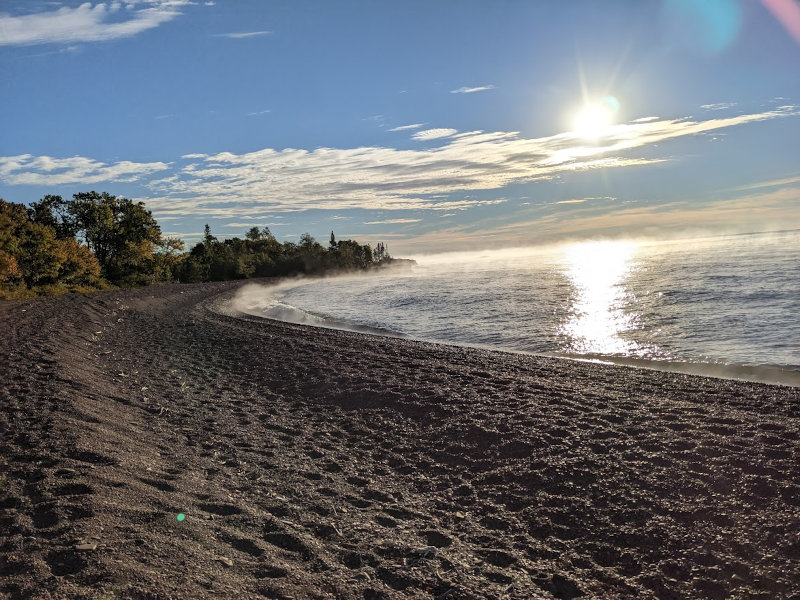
{"x": 429, "y": 126}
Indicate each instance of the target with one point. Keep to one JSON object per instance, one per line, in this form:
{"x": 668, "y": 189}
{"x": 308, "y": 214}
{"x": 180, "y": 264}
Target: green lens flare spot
{"x": 181, "y": 516}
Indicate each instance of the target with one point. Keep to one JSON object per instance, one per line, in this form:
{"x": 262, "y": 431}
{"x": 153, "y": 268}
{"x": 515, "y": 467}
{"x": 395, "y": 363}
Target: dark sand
{"x": 327, "y": 464}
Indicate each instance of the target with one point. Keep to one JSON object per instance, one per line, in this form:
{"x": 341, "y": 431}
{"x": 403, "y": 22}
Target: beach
{"x": 157, "y": 444}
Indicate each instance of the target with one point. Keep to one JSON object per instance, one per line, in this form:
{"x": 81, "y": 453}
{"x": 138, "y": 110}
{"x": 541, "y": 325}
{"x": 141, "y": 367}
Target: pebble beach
{"x": 156, "y": 444}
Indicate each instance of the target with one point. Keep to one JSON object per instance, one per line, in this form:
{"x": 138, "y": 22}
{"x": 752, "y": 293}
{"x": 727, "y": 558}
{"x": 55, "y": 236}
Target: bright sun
{"x": 593, "y": 120}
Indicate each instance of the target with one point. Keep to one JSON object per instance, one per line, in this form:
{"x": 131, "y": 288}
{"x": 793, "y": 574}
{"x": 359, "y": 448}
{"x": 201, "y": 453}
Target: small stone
{"x": 225, "y": 561}
{"x": 460, "y": 515}
{"x": 86, "y": 546}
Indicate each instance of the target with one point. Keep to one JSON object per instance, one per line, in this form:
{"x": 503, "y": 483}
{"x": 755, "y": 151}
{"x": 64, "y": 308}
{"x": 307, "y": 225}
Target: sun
{"x": 593, "y": 121}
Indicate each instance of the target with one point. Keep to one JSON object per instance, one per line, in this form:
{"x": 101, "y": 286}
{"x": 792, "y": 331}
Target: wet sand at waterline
{"x": 313, "y": 463}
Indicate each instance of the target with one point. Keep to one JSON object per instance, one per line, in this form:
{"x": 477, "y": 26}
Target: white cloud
{"x": 242, "y": 35}
{"x": 258, "y": 113}
{"x": 87, "y": 22}
{"x": 434, "y": 134}
{"x": 251, "y": 224}
{"x": 388, "y": 178}
{"x": 762, "y": 212}
{"x": 718, "y": 106}
{"x": 472, "y": 90}
{"x": 45, "y": 170}
{"x": 392, "y": 222}
{"x": 645, "y": 119}
{"x": 582, "y": 200}
{"x": 406, "y": 127}
{"x": 787, "y": 181}
{"x": 231, "y": 186}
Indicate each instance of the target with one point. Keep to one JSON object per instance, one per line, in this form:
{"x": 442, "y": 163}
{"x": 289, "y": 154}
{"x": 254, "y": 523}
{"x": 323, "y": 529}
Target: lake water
{"x": 727, "y": 306}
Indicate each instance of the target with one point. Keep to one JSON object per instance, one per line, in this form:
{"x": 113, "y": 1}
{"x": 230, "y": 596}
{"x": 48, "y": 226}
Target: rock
{"x": 86, "y": 546}
{"x": 225, "y": 561}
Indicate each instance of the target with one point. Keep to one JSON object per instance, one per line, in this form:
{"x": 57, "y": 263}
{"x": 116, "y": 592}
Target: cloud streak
{"x": 718, "y": 106}
{"x": 45, "y": 170}
{"x": 242, "y": 35}
{"x": 392, "y": 222}
{"x": 433, "y": 134}
{"x": 472, "y": 90}
{"x": 406, "y": 127}
{"x": 87, "y": 22}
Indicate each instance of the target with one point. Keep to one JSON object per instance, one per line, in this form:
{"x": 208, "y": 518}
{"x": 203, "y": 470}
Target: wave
{"x": 771, "y": 374}
{"x": 262, "y": 301}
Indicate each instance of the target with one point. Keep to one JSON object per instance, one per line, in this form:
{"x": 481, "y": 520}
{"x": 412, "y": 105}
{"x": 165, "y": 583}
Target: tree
{"x": 53, "y": 211}
{"x": 12, "y": 217}
{"x": 267, "y": 236}
{"x": 253, "y": 234}
{"x": 208, "y": 239}
{"x": 168, "y": 258}
{"x": 121, "y": 233}
{"x": 307, "y": 242}
{"x": 32, "y": 255}
{"x": 333, "y": 241}
{"x": 380, "y": 253}
{"x": 80, "y": 267}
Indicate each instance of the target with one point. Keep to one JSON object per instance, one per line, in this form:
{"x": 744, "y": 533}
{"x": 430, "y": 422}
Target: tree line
{"x": 97, "y": 241}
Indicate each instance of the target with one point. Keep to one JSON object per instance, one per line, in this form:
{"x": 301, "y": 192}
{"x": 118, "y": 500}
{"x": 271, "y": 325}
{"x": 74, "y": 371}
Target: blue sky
{"x": 427, "y": 125}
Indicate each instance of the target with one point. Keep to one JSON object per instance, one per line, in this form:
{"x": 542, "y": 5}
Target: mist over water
{"x": 706, "y": 304}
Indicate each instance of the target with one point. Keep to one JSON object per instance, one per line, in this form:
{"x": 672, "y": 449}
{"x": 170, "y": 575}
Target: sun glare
{"x": 593, "y": 120}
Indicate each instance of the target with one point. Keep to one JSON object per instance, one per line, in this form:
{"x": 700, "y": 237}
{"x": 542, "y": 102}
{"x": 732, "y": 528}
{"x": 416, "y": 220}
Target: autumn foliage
{"x": 97, "y": 240}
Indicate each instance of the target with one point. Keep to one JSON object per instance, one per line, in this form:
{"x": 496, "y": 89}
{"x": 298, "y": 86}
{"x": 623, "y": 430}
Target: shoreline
{"x": 784, "y": 375}
{"x": 314, "y": 463}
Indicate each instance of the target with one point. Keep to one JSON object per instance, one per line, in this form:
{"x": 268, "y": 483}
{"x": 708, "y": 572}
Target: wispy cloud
{"x": 258, "y": 113}
{"x": 472, "y": 90}
{"x": 229, "y": 185}
{"x": 590, "y": 199}
{"x": 392, "y": 222}
{"x": 434, "y": 134}
{"x": 87, "y": 22}
{"x": 718, "y": 106}
{"x": 242, "y": 35}
{"x": 45, "y": 170}
{"x": 406, "y": 127}
{"x": 761, "y": 212}
{"x": 787, "y": 181}
{"x": 251, "y": 224}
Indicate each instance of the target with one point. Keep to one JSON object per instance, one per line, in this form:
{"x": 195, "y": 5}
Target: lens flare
{"x": 593, "y": 120}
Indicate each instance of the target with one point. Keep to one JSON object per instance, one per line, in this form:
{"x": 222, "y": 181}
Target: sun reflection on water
{"x": 597, "y": 318}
